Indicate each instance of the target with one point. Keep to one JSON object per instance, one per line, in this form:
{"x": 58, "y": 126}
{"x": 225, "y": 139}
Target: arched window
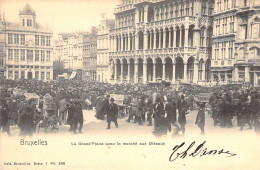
{"x": 254, "y": 53}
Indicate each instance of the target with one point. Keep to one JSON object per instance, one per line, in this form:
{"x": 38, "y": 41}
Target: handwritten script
{"x": 200, "y": 151}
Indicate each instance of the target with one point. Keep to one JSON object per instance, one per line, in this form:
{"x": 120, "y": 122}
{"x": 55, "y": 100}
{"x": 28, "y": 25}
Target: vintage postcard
{"x": 129, "y": 84}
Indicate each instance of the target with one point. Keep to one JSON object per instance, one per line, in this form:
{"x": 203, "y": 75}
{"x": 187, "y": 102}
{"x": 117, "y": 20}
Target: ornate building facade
{"x": 236, "y": 41}
{"x": 161, "y": 40}
{"x": 68, "y": 52}
{"x": 90, "y": 56}
{"x": 247, "y": 44}
{"x": 28, "y": 48}
{"x": 103, "y": 70}
{"x": 2, "y": 47}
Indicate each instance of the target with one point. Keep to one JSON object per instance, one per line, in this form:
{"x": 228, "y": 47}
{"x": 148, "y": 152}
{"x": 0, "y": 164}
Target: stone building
{"x": 161, "y": 40}
{"x": 2, "y": 47}
{"x": 28, "y": 48}
{"x": 69, "y": 54}
{"x": 247, "y": 44}
{"x": 103, "y": 49}
{"x": 90, "y": 56}
{"x": 236, "y": 35}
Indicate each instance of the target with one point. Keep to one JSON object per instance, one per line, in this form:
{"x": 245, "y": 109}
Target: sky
{"x": 62, "y": 15}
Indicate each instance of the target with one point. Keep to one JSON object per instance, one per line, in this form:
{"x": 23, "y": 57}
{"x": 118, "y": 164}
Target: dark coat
{"x": 78, "y": 111}
{"x": 158, "y": 110}
{"x": 163, "y": 125}
{"x": 182, "y": 108}
{"x": 112, "y": 112}
{"x": 71, "y": 110}
{"x": 200, "y": 120}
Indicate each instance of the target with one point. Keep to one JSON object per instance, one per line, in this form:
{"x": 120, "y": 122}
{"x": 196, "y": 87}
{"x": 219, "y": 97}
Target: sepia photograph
{"x": 129, "y": 84}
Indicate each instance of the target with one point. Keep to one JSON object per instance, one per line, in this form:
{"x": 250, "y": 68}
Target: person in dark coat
{"x": 5, "y": 118}
{"x": 158, "y": 111}
{"x": 70, "y": 119}
{"x": 182, "y": 109}
{"x": 26, "y": 121}
{"x": 78, "y": 117}
{"x": 163, "y": 126}
{"x": 200, "y": 120}
{"x": 112, "y": 113}
{"x": 149, "y": 109}
{"x": 170, "y": 109}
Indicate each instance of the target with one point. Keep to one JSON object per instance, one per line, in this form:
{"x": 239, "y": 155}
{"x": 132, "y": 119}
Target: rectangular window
{"x": 16, "y": 54}
{"x": 48, "y": 76}
{"x": 230, "y": 49}
{"x": 10, "y": 38}
{"x": 36, "y": 55}
{"x": 29, "y": 22}
{"x": 42, "y": 56}
{"x": 48, "y": 56}
{"x": 48, "y": 41}
{"x": 42, "y": 75}
{"x": 204, "y": 7}
{"x": 10, "y": 74}
{"x": 23, "y": 22}
{"x": 10, "y": 54}
{"x": 16, "y": 38}
{"x": 37, "y": 75}
{"x": 22, "y": 39}
{"x": 16, "y": 75}
{"x": 36, "y": 39}
{"x": 43, "y": 40}
{"x": 182, "y": 9}
{"x": 187, "y": 8}
{"x": 22, "y": 55}
{"x": 22, "y": 74}
{"x": 176, "y": 10}
{"x": 29, "y": 55}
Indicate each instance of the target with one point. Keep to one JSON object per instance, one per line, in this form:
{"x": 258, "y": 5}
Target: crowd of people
{"x": 163, "y": 107}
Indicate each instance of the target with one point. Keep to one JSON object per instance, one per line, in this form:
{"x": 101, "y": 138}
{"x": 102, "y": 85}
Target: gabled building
{"x": 103, "y": 46}
{"x": 28, "y": 48}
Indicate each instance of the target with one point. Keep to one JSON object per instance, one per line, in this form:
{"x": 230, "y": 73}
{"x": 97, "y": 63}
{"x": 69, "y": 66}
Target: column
{"x": 173, "y": 72}
{"x": 145, "y": 41}
{"x": 163, "y": 71}
{"x": 164, "y": 39}
{"x": 235, "y": 74}
{"x": 151, "y": 40}
{"x": 144, "y": 72}
{"x": 128, "y": 44}
{"x": 174, "y": 38}
{"x": 186, "y": 39}
{"x": 203, "y": 71}
{"x": 122, "y": 43}
{"x": 122, "y": 71}
{"x": 136, "y": 72}
{"x": 114, "y": 44}
{"x": 146, "y": 14}
{"x": 185, "y": 72}
{"x": 115, "y": 76}
{"x": 154, "y": 71}
{"x": 133, "y": 42}
{"x": 170, "y": 39}
{"x": 154, "y": 40}
{"x": 128, "y": 70}
{"x": 247, "y": 76}
{"x": 196, "y": 72}
{"x": 160, "y": 38}
{"x": 136, "y": 42}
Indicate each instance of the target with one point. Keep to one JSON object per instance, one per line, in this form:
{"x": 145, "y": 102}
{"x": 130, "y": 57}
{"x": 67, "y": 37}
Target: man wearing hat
{"x": 112, "y": 113}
